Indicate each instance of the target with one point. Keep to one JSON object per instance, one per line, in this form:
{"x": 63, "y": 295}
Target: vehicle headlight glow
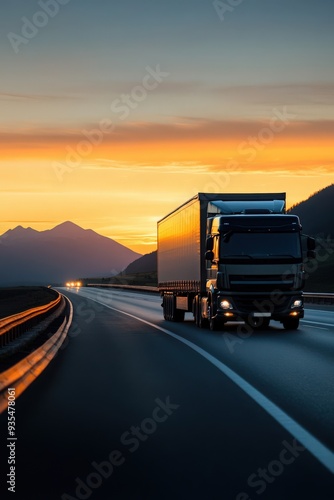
{"x": 225, "y": 304}
{"x": 297, "y": 303}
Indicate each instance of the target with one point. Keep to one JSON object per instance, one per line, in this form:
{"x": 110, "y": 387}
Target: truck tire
{"x": 214, "y": 323}
{"x": 166, "y": 304}
{"x": 291, "y": 323}
{"x": 169, "y": 309}
{"x": 199, "y": 320}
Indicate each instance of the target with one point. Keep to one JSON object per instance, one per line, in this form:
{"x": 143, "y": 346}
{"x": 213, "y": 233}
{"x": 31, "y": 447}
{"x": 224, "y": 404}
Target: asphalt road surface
{"x": 134, "y": 407}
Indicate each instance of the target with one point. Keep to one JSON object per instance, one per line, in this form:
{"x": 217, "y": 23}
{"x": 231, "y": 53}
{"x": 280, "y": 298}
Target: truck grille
{"x": 263, "y": 303}
{"x": 266, "y": 282}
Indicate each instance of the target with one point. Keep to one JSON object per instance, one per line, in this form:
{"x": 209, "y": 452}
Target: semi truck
{"x": 233, "y": 257}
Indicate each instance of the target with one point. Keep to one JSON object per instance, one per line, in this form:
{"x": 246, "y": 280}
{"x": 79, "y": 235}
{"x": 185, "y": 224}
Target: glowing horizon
{"x": 114, "y": 126}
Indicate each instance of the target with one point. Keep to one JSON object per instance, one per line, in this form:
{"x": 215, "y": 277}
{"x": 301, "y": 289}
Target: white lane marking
{"x": 316, "y": 327}
{"x": 317, "y": 323}
{"x": 318, "y": 450}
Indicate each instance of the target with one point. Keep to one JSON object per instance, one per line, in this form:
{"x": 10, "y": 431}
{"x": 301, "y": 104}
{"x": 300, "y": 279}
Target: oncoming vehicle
{"x": 227, "y": 257}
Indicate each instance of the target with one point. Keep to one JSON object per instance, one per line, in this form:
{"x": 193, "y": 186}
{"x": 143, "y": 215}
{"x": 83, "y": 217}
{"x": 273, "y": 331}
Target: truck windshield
{"x": 261, "y": 246}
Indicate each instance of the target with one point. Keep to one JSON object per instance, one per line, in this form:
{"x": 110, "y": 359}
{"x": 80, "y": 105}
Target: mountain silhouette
{"x": 146, "y": 263}
{"x": 317, "y": 213}
{"x": 54, "y": 256}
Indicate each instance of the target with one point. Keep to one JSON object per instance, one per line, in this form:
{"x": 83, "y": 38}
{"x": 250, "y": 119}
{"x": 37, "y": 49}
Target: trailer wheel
{"x": 169, "y": 309}
{"x": 166, "y": 304}
{"x": 291, "y": 323}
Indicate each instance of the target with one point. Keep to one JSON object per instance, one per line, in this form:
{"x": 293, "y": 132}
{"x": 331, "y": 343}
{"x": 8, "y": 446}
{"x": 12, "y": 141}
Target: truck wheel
{"x": 291, "y": 323}
{"x": 167, "y": 307}
{"x": 214, "y": 324}
{"x": 199, "y": 320}
{"x": 265, "y": 322}
{"x": 164, "y": 307}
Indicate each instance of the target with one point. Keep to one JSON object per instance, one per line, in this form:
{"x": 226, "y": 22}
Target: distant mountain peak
{"x": 56, "y": 255}
{"x": 67, "y": 223}
{"x": 20, "y": 229}
{"x": 67, "y": 229}
{"x": 19, "y": 232}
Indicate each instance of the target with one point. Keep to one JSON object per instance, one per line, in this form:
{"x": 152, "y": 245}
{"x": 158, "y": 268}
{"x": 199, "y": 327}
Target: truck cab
{"x": 255, "y": 267}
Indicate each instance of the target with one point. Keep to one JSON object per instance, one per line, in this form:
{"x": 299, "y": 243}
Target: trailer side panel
{"x": 179, "y": 246}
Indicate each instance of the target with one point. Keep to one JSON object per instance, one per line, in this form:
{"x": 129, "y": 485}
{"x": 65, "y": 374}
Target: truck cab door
{"x": 212, "y": 257}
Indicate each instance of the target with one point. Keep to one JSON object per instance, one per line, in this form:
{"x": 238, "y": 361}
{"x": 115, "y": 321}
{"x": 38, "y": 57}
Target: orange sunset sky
{"x": 114, "y": 114}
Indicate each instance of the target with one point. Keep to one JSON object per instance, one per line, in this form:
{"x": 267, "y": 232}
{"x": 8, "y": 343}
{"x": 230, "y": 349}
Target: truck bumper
{"x": 251, "y": 308}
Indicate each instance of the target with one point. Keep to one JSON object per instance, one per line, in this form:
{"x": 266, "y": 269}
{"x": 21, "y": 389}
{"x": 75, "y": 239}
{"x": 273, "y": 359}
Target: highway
{"x": 134, "y": 407}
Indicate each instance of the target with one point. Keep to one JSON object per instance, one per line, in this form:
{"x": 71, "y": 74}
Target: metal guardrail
{"x": 23, "y": 373}
{"x": 153, "y": 289}
{"x": 15, "y": 325}
{"x": 318, "y": 298}
{"x": 309, "y": 297}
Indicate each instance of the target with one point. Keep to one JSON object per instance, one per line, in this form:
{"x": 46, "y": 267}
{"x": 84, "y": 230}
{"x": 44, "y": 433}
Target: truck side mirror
{"x": 209, "y": 243}
{"x": 310, "y": 243}
{"x": 209, "y": 255}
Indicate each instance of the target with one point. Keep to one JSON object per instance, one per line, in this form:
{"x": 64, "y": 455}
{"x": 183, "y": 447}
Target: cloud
{"x": 269, "y": 94}
{"x": 111, "y": 87}
{"x": 281, "y": 94}
{"x": 183, "y": 130}
{"x": 6, "y": 96}
{"x": 183, "y": 167}
{"x": 212, "y": 130}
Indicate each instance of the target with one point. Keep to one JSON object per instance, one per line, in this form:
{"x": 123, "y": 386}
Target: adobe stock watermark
{"x": 266, "y": 476}
{"x": 130, "y": 441}
{"x": 248, "y": 149}
{"x": 86, "y": 312}
{"x": 121, "y": 106}
{"x": 222, "y": 8}
{"x": 87, "y": 309}
{"x": 31, "y": 27}
{"x": 127, "y": 102}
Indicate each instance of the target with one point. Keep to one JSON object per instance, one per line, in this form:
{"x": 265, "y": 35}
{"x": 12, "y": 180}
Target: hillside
{"x": 321, "y": 275}
{"x": 317, "y": 213}
{"x": 146, "y": 263}
{"x": 29, "y": 257}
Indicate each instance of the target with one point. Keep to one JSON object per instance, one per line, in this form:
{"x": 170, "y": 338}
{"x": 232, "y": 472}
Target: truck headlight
{"x": 297, "y": 303}
{"x": 225, "y": 304}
